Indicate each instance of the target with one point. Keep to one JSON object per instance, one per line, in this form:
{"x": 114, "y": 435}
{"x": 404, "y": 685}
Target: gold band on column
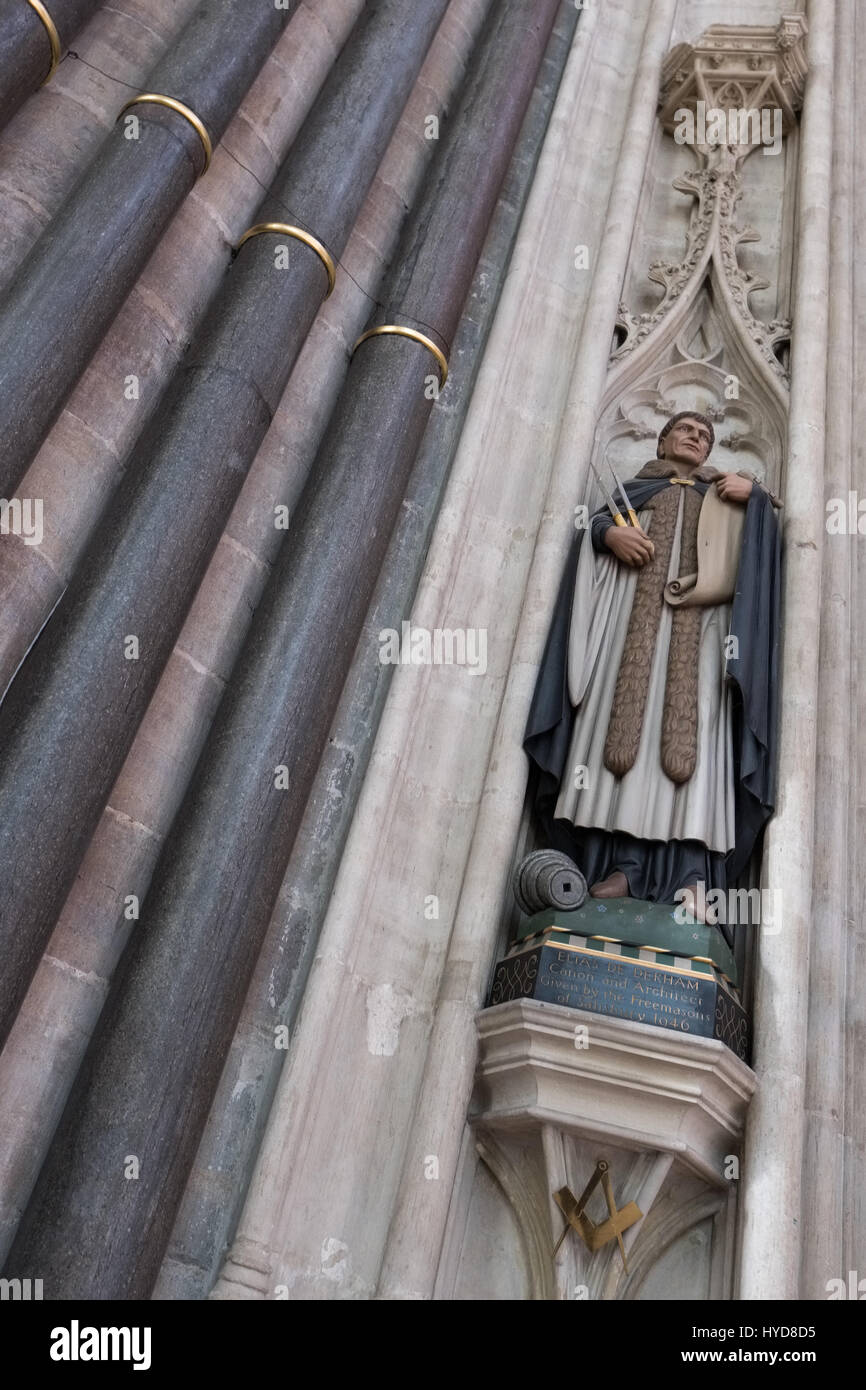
{"x": 53, "y": 36}
{"x": 198, "y": 126}
{"x": 416, "y": 337}
{"x": 286, "y": 229}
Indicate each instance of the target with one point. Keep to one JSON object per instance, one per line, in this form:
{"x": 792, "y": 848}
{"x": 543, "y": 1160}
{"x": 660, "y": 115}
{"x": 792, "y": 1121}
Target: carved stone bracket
{"x": 740, "y": 66}
{"x": 657, "y": 1104}
{"x": 639, "y": 1085}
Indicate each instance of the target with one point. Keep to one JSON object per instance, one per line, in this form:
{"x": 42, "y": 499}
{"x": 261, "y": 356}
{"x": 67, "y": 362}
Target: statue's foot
{"x": 614, "y": 886}
{"x": 699, "y": 911}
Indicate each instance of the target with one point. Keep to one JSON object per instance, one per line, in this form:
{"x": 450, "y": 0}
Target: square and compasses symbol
{"x": 596, "y": 1234}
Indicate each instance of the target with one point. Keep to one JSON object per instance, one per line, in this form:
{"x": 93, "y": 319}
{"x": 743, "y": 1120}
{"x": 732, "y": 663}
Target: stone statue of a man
{"x": 653, "y": 720}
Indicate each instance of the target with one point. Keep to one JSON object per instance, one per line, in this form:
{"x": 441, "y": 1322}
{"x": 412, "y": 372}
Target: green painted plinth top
{"x": 638, "y": 923}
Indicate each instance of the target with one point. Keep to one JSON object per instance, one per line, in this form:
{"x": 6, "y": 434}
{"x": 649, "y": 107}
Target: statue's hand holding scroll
{"x": 733, "y": 487}
{"x": 630, "y": 544}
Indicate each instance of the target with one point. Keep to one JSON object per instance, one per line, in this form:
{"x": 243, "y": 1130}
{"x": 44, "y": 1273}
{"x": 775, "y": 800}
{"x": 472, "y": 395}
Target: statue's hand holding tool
{"x": 631, "y": 544}
{"x": 627, "y": 539}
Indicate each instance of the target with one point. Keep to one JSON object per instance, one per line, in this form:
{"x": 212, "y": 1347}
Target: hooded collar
{"x": 659, "y": 468}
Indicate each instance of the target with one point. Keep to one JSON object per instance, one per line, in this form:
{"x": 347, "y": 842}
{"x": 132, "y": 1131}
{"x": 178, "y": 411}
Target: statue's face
{"x": 688, "y": 442}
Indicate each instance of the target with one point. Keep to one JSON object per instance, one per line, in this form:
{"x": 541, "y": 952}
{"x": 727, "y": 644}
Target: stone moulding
{"x": 530, "y": 1212}
{"x": 634, "y": 1085}
{"x": 666, "y": 1222}
{"x": 745, "y": 68}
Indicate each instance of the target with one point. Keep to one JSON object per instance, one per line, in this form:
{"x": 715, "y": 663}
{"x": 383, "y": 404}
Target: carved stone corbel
{"x": 741, "y": 65}
{"x": 662, "y": 1108}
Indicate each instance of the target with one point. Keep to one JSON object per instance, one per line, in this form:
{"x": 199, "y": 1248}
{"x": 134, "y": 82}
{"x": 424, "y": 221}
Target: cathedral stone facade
{"x": 316, "y": 319}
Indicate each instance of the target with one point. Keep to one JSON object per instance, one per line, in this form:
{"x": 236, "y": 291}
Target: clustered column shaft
{"x": 71, "y": 715}
{"x": 225, "y": 1158}
{"x": 180, "y": 990}
{"x": 33, "y": 39}
{"x": 55, "y": 314}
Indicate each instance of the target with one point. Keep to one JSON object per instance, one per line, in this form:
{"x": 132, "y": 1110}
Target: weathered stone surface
{"x": 93, "y": 924}
{"x": 275, "y": 716}
{"x": 225, "y": 1157}
{"x": 776, "y": 1136}
{"x": 83, "y": 458}
{"x": 142, "y": 569}
{"x": 686, "y": 1095}
{"x": 380, "y": 955}
{"x": 48, "y": 145}
{"x": 830, "y": 1222}
{"x": 25, "y": 47}
{"x": 76, "y": 277}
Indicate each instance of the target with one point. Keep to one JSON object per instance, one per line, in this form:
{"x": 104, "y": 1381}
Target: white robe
{"x": 645, "y": 802}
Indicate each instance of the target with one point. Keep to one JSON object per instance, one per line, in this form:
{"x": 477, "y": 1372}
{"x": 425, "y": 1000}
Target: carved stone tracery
{"x": 747, "y": 68}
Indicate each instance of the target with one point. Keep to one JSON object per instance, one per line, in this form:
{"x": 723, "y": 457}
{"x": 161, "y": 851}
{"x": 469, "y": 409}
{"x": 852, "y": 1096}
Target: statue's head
{"x": 687, "y": 437}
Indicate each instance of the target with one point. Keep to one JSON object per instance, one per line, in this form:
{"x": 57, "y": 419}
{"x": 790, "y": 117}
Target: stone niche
{"x": 703, "y": 326}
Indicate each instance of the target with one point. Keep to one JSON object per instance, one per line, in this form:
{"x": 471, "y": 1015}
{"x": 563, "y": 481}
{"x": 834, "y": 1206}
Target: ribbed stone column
{"x": 854, "y": 1183}
{"x": 227, "y": 1151}
{"x": 210, "y": 903}
{"x": 71, "y": 715}
{"x": 824, "y": 1158}
{"x": 32, "y": 44}
{"x": 770, "y": 1243}
{"x": 81, "y": 461}
{"x": 75, "y": 279}
{"x": 42, "y": 1055}
{"x": 409, "y": 1267}
{"x": 83, "y": 458}
{"x": 349, "y": 1089}
{"x": 45, "y": 150}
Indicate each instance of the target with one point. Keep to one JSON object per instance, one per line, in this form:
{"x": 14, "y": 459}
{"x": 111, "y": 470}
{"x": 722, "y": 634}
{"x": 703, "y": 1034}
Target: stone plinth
{"x": 690, "y": 997}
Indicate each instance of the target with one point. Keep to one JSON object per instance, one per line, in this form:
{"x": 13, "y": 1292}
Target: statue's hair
{"x": 685, "y": 415}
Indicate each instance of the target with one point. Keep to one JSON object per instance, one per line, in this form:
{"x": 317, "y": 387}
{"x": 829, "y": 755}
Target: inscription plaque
{"x": 688, "y": 1002}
